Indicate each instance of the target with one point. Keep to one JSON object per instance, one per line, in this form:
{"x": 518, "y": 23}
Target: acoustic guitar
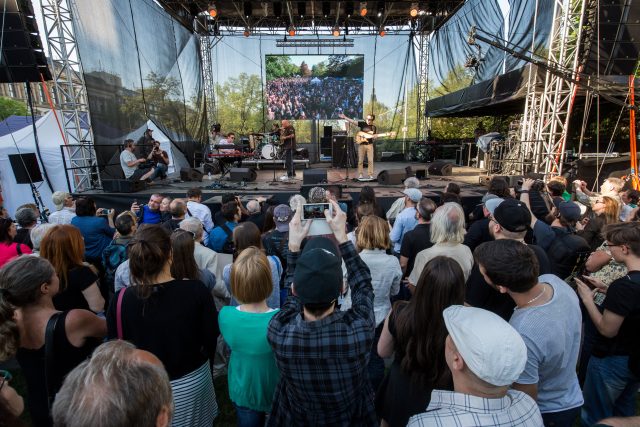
{"x": 363, "y": 137}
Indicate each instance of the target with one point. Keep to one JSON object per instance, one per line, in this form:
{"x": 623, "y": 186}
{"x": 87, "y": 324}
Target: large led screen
{"x": 305, "y": 87}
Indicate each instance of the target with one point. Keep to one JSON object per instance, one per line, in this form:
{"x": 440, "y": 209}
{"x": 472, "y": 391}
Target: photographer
{"x": 161, "y": 160}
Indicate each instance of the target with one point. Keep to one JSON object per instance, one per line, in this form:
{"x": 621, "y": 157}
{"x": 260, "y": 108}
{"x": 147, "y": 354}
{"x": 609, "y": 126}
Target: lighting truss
{"x": 298, "y": 42}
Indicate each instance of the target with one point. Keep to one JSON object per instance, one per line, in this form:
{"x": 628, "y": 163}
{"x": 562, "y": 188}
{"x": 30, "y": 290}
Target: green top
{"x": 566, "y": 196}
{"x": 253, "y": 373}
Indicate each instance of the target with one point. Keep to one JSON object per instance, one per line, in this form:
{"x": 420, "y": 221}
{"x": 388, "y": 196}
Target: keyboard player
{"x": 229, "y": 140}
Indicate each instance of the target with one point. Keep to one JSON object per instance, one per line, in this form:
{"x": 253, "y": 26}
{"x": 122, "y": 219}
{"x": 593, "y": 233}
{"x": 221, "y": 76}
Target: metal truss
{"x": 423, "y": 122}
{"x": 206, "y": 46}
{"x": 68, "y": 82}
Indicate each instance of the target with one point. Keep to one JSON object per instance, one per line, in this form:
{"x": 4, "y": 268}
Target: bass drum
{"x": 269, "y": 152}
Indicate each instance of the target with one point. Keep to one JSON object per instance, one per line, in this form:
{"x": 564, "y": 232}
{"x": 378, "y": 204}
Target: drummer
{"x": 275, "y": 134}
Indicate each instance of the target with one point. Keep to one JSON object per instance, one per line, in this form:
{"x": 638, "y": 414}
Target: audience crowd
{"x": 306, "y": 98}
{"x": 520, "y": 311}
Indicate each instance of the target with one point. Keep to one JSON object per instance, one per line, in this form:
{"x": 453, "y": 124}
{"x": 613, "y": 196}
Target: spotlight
{"x": 382, "y": 32}
{"x": 302, "y": 8}
{"x": 363, "y": 8}
{"x": 336, "y": 31}
{"x": 326, "y": 8}
{"x": 414, "y": 10}
{"x": 349, "y": 9}
{"x": 247, "y": 32}
{"x": 292, "y": 30}
{"x": 248, "y": 9}
{"x": 380, "y": 8}
{"x": 213, "y": 10}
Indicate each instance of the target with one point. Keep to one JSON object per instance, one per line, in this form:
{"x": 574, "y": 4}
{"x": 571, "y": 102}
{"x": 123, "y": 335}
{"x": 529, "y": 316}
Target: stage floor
{"x": 432, "y": 186}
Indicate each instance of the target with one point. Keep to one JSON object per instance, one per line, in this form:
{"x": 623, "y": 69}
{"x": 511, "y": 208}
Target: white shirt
{"x": 457, "y": 251}
{"x": 62, "y": 217}
{"x": 385, "y": 279}
{"x": 203, "y": 213}
{"x": 127, "y": 157}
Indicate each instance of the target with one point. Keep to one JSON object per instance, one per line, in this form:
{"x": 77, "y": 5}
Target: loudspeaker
{"x": 392, "y": 176}
{"x": 314, "y": 176}
{"x": 440, "y": 168}
{"x": 421, "y": 173}
{"x": 328, "y": 131}
{"x": 242, "y": 175}
{"x": 22, "y": 51}
{"x": 190, "y": 174}
{"x": 586, "y": 169}
{"x": 123, "y": 185}
{"x": 339, "y": 158}
{"x": 25, "y": 168}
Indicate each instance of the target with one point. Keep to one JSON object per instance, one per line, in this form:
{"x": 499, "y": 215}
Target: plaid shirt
{"x": 323, "y": 364}
{"x": 451, "y": 409}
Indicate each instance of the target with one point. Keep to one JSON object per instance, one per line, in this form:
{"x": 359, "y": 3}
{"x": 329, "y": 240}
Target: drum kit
{"x": 266, "y": 146}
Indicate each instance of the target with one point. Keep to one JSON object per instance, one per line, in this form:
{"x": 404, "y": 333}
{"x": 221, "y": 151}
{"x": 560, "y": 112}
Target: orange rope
{"x": 53, "y": 108}
{"x": 633, "y": 152}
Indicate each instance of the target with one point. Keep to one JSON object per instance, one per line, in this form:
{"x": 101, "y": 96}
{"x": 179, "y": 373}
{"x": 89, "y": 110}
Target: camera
{"x": 315, "y": 210}
{"x": 538, "y": 185}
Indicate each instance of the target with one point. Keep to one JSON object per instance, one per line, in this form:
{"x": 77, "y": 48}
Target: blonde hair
{"x": 251, "y": 276}
{"x": 447, "y": 224}
{"x": 373, "y": 233}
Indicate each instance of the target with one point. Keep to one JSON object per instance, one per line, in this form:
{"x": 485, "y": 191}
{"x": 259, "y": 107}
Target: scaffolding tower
{"x": 423, "y": 122}
{"x": 69, "y": 85}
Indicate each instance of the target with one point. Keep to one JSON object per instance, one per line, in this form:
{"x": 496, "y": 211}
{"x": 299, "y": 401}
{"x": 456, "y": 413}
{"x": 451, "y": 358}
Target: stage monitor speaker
{"x": 22, "y": 51}
{"x": 242, "y": 175}
{"x": 392, "y": 176}
{"x": 190, "y": 174}
{"x": 314, "y": 176}
{"x": 328, "y": 131}
{"x": 341, "y": 146}
{"x": 25, "y": 168}
{"x": 123, "y": 185}
{"x": 440, "y": 168}
{"x": 421, "y": 173}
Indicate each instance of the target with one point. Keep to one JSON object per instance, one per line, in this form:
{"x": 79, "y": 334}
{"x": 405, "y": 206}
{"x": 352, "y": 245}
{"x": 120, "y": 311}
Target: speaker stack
{"x": 22, "y": 51}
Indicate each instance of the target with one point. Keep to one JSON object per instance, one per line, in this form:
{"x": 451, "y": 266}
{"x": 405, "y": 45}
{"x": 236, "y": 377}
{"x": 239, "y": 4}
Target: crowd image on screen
{"x": 523, "y": 312}
{"x": 306, "y": 98}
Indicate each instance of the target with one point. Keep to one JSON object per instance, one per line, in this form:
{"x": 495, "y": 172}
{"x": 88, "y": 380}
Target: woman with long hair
{"x": 415, "y": 330}
{"x": 269, "y": 223}
{"x": 253, "y": 374}
{"x": 368, "y": 196}
{"x": 176, "y": 320}
{"x": 245, "y": 235}
{"x": 27, "y": 287}
{"x": 63, "y": 246}
{"x": 606, "y": 211}
{"x": 183, "y": 265}
{"x": 8, "y": 248}
{"x": 372, "y": 238}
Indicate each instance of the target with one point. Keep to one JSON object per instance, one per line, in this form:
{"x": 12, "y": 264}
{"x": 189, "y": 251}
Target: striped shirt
{"x": 448, "y": 408}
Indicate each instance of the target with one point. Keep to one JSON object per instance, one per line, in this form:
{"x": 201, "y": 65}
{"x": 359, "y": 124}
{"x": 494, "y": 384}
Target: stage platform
{"x": 259, "y": 163}
{"x": 432, "y": 186}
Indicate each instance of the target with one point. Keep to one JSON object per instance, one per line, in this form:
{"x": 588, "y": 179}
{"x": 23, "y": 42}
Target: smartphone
{"x": 315, "y": 210}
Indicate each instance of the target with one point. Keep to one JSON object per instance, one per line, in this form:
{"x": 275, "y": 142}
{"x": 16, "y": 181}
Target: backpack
{"x": 567, "y": 253}
{"x": 227, "y": 247}
{"x": 114, "y": 255}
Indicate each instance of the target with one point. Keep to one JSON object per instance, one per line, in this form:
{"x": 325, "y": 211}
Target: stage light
{"x": 213, "y": 10}
{"x": 348, "y": 9}
{"x": 336, "y": 31}
{"x": 326, "y": 8}
{"x": 247, "y": 32}
{"x": 363, "y": 8}
{"x": 380, "y": 8}
{"x": 414, "y": 10}
{"x": 248, "y": 9}
{"x": 292, "y": 30}
{"x": 382, "y": 32}
{"x": 302, "y": 8}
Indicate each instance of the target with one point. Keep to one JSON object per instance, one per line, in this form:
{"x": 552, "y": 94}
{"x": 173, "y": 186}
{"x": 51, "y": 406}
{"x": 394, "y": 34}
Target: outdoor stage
{"x": 467, "y": 178}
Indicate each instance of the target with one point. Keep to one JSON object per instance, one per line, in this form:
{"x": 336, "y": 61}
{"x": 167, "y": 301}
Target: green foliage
{"x": 11, "y": 107}
{"x": 459, "y": 77}
{"x": 239, "y": 101}
{"x": 277, "y": 66}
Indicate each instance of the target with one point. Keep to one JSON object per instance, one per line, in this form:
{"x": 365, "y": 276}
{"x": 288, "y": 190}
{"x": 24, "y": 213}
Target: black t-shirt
{"x": 23, "y": 236}
{"x": 372, "y": 129}
{"x": 178, "y": 323}
{"x": 415, "y": 241}
{"x": 478, "y": 233}
{"x": 78, "y": 279}
{"x": 482, "y": 295}
{"x": 623, "y": 299}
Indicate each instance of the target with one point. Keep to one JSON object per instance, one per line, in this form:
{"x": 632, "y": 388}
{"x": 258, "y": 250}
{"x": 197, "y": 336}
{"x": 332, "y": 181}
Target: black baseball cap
{"x": 512, "y": 215}
{"x": 318, "y": 275}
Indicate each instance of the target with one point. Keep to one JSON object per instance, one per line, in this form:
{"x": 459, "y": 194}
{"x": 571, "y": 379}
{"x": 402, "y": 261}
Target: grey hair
{"x": 192, "y": 225}
{"x": 113, "y": 388}
{"x": 38, "y": 232}
{"x": 253, "y": 206}
{"x": 26, "y": 216}
{"x": 58, "y": 199}
{"x": 296, "y": 200}
{"x": 411, "y": 182}
{"x": 447, "y": 224}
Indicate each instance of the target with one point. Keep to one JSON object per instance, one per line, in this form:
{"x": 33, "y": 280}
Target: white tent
{"x": 21, "y": 142}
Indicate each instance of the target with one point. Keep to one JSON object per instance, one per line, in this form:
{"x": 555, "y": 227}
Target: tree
{"x": 304, "y": 70}
{"x": 277, "y": 66}
{"x": 12, "y": 107}
{"x": 240, "y": 104}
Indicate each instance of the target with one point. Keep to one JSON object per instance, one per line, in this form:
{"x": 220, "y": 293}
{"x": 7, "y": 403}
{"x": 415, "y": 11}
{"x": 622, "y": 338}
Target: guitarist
{"x": 365, "y": 147}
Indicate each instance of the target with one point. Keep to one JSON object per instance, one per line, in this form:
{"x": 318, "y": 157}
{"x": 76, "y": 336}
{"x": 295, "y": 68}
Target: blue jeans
{"x": 248, "y": 417}
{"x": 561, "y": 418}
{"x": 159, "y": 171}
{"x": 609, "y": 390}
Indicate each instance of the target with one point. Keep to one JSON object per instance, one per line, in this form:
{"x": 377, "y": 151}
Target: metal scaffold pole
{"x": 71, "y": 95}
{"x": 423, "y": 122}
